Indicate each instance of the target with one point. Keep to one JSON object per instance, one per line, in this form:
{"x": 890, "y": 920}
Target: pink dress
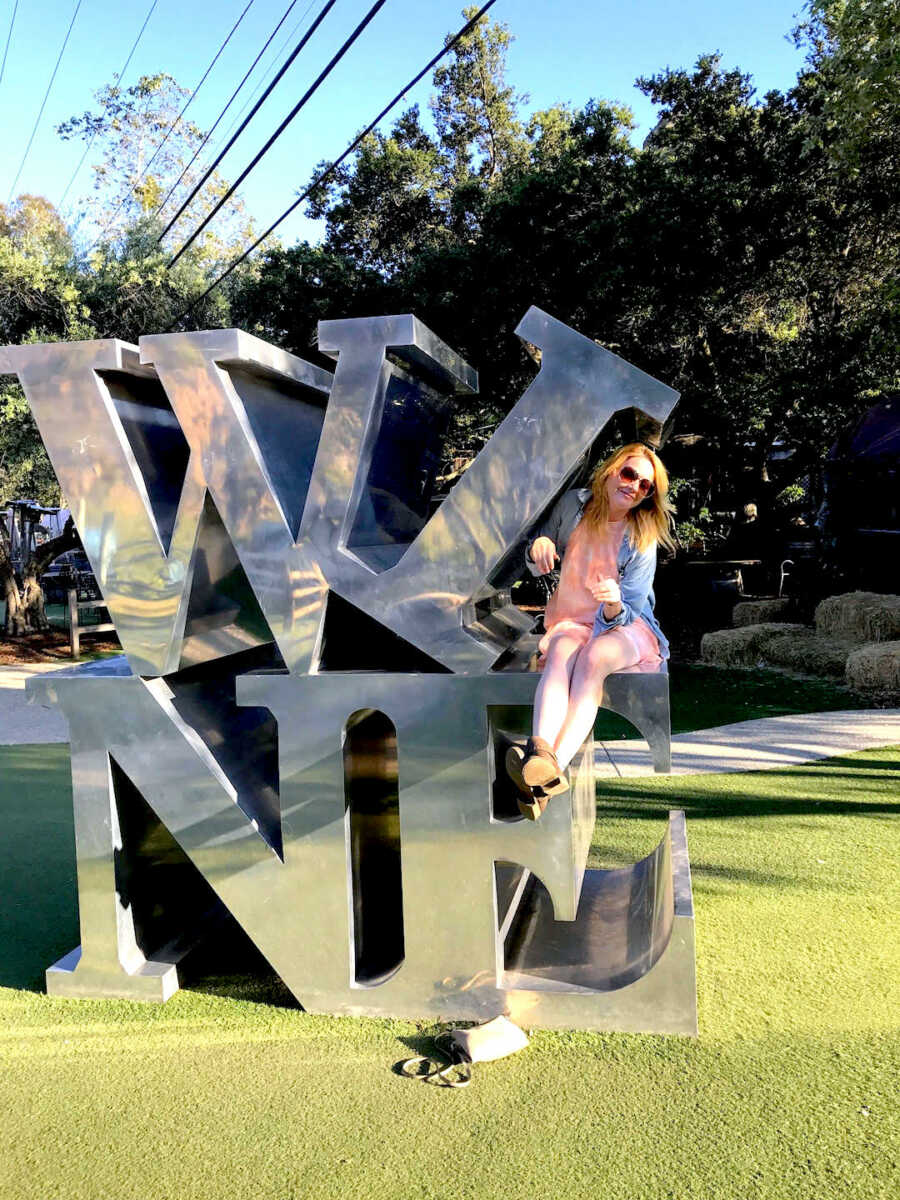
{"x": 589, "y": 557}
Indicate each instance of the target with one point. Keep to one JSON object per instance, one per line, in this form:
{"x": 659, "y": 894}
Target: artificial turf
{"x": 230, "y": 1091}
{"x": 704, "y": 697}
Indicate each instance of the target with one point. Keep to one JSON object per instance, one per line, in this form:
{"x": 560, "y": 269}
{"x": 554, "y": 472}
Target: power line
{"x": 119, "y": 78}
{"x": 329, "y": 170}
{"x": 44, "y": 101}
{"x": 199, "y": 149}
{"x": 314, "y": 86}
{"x": 269, "y": 69}
{"x": 312, "y": 29}
{"x": 177, "y": 120}
{"x": 12, "y": 22}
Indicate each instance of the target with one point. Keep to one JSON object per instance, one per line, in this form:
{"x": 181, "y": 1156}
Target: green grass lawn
{"x": 703, "y": 697}
{"x": 229, "y": 1090}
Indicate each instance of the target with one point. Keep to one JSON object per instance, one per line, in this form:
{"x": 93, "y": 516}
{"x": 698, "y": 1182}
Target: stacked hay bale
{"x": 746, "y": 646}
{"x": 761, "y": 612}
{"x": 873, "y": 622}
{"x": 861, "y": 616}
{"x": 856, "y": 636}
{"x": 810, "y": 652}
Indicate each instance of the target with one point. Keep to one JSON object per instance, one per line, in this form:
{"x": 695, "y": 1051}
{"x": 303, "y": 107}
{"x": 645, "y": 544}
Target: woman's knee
{"x": 601, "y": 653}
{"x": 561, "y": 651}
{"x": 596, "y": 660}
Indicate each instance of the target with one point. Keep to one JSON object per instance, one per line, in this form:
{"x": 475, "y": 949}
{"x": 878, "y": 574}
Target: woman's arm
{"x": 634, "y": 588}
{"x": 537, "y": 557}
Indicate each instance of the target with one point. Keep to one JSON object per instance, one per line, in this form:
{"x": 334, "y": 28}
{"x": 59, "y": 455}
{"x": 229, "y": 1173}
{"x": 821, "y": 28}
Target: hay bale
{"x": 875, "y": 668}
{"x": 743, "y": 647}
{"x": 761, "y": 612}
{"x": 794, "y": 647}
{"x": 809, "y": 653}
{"x": 860, "y": 616}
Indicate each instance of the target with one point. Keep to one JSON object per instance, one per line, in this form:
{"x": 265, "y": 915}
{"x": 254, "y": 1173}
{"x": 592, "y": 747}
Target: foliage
{"x": 475, "y": 112}
{"x": 25, "y": 470}
{"x": 391, "y": 204}
{"x": 705, "y": 534}
{"x": 129, "y": 291}
{"x": 141, "y": 147}
{"x": 748, "y": 253}
{"x": 854, "y": 50}
{"x": 791, "y": 496}
{"x": 39, "y": 292}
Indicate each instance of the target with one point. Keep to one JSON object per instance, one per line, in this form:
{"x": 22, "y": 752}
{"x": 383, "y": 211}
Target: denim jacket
{"x": 636, "y": 567}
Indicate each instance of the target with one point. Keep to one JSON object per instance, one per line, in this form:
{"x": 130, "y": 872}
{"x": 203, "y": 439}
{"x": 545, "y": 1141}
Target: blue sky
{"x": 564, "y": 50}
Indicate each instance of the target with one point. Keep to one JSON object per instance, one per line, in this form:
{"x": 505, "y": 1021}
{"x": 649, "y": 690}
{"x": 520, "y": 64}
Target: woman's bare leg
{"x": 612, "y": 651}
{"x": 551, "y": 700}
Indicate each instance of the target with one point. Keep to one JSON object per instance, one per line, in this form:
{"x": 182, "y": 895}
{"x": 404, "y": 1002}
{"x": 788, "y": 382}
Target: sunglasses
{"x": 645, "y": 486}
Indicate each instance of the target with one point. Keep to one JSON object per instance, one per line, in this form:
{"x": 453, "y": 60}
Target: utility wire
{"x": 329, "y": 170}
{"x": 314, "y": 86}
{"x": 119, "y": 78}
{"x": 177, "y": 120}
{"x": 312, "y": 29}
{"x": 269, "y": 69}
{"x": 199, "y": 149}
{"x": 12, "y": 22}
{"x": 43, "y": 102}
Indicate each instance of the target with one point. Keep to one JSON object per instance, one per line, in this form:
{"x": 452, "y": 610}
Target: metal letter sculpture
{"x": 322, "y": 677}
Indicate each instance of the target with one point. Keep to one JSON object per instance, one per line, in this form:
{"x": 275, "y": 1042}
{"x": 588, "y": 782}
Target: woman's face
{"x": 623, "y": 494}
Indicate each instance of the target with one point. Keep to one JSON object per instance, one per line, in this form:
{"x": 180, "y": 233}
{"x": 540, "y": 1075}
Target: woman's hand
{"x": 606, "y": 591}
{"x": 543, "y": 554}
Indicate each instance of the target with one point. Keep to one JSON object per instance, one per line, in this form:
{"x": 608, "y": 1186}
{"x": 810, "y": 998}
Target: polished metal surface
{"x": 279, "y": 863}
{"x": 282, "y": 870}
{"x": 253, "y": 521}
{"x": 311, "y": 499}
{"x": 628, "y": 960}
{"x": 641, "y": 696}
{"x": 165, "y": 566}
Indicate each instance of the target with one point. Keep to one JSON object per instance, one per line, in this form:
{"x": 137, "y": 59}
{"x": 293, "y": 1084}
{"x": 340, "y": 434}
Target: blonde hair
{"x": 650, "y": 522}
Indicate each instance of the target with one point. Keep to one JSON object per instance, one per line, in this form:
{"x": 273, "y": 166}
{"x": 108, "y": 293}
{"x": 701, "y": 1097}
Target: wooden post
{"x": 74, "y": 639}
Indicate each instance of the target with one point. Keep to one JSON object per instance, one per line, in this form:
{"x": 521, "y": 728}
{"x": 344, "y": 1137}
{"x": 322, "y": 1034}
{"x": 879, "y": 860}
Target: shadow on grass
{"x": 834, "y": 787}
{"x": 39, "y": 915}
{"x": 228, "y": 964}
{"x": 650, "y": 805}
{"x": 700, "y": 870}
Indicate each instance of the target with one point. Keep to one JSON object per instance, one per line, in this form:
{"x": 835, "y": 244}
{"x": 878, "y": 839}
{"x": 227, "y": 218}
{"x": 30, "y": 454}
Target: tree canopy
{"x": 747, "y": 253}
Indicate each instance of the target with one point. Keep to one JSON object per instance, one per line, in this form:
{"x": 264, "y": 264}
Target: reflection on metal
{"x": 311, "y": 498}
{"x": 641, "y": 696}
{"x": 138, "y": 496}
{"x": 354, "y": 822}
{"x": 373, "y": 819}
{"x": 626, "y": 961}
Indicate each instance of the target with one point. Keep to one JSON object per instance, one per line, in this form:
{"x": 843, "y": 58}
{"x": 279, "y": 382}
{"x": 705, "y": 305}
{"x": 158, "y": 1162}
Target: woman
{"x": 606, "y": 537}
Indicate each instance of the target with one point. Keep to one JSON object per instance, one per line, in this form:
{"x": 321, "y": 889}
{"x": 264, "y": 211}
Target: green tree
{"x": 25, "y": 470}
{"x": 410, "y": 191}
{"x": 140, "y": 146}
{"x": 39, "y": 290}
{"x": 296, "y": 288}
{"x": 40, "y": 300}
{"x": 853, "y": 49}
{"x": 390, "y": 203}
{"x": 475, "y": 112}
{"x": 852, "y": 92}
